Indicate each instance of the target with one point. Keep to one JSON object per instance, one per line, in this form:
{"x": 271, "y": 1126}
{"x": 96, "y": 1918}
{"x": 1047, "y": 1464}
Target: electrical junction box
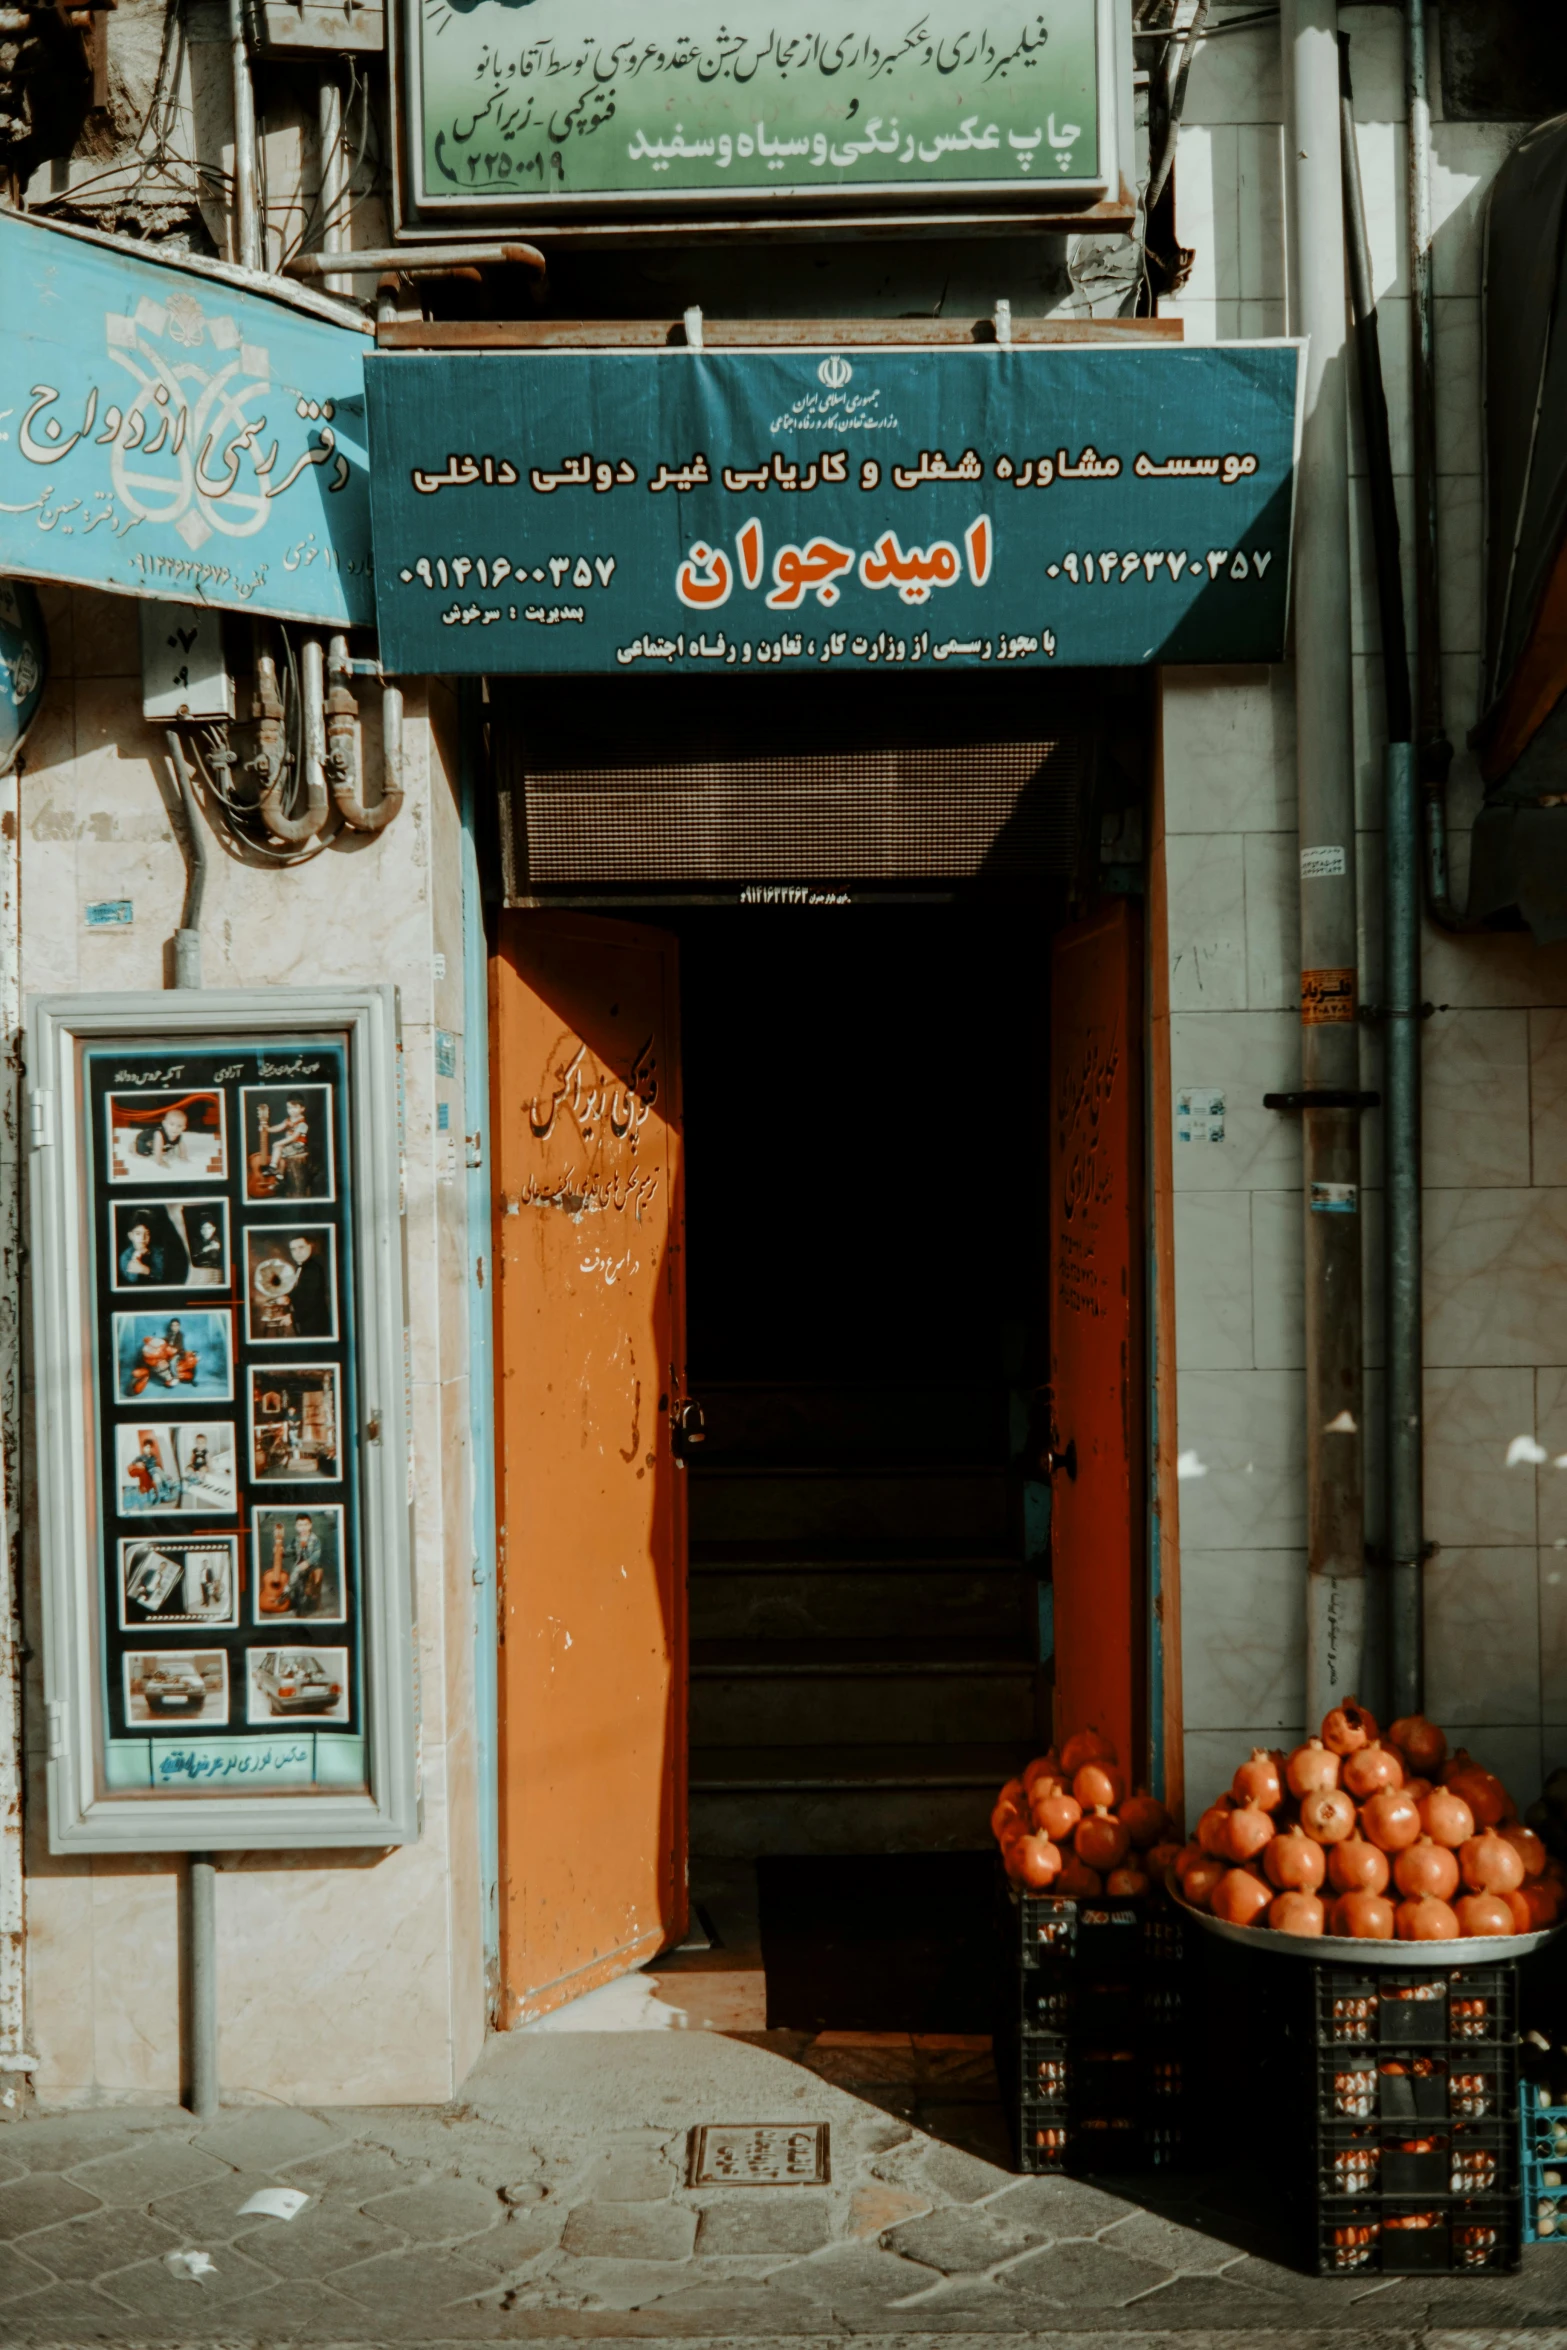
{"x": 292, "y": 27}
{"x": 183, "y": 672}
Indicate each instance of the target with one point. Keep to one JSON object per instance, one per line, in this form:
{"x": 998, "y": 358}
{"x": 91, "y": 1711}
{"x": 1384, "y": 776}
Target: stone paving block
{"x": 756, "y": 2219}
{"x": 30, "y": 2203}
{"x": 11, "y": 2168}
{"x": 209, "y": 2214}
{"x": 106, "y": 2239}
{"x": 851, "y": 2283}
{"x": 965, "y": 2241}
{"x": 523, "y": 2237}
{"x": 977, "y": 2127}
{"x": 189, "y": 2306}
{"x": 630, "y": 2231}
{"x": 1184, "y": 2251}
{"x": 875, "y": 2207}
{"x": 19, "y": 2275}
{"x": 62, "y": 2314}
{"x": 418, "y": 2282}
{"x": 732, "y": 2310}
{"x": 1084, "y": 2273}
{"x": 56, "y": 2143}
{"x": 147, "y": 2170}
{"x": 635, "y": 2170}
{"x": 265, "y": 2137}
{"x": 439, "y": 2211}
{"x": 605, "y": 2282}
{"x": 1181, "y": 2303}
{"x": 319, "y": 2242}
{"x": 1060, "y": 2207}
{"x": 957, "y": 2177}
{"x": 355, "y": 2173}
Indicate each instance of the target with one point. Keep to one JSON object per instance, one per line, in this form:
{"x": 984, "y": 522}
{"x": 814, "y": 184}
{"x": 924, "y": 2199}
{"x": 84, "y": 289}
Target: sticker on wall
{"x": 1327, "y": 998}
{"x": 109, "y": 914}
{"x": 1322, "y": 864}
{"x": 1335, "y": 1199}
{"x": 1199, "y": 1114}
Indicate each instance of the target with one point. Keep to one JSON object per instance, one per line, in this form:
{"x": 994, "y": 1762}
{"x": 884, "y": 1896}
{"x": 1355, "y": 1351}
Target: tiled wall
{"x": 343, "y": 1977}
{"x": 1495, "y": 1049}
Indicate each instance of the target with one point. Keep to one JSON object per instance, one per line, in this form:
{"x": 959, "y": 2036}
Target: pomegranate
{"x": 1543, "y": 1899}
{"x": 1241, "y": 1899}
{"x": 1250, "y": 1828}
{"x": 1296, "y": 1913}
{"x": 1257, "y": 1781}
{"x": 1328, "y": 1816}
{"x": 1122, "y": 1882}
{"x": 1311, "y": 1768}
{"x": 1523, "y": 1915}
{"x": 1187, "y": 1858}
{"x": 1348, "y": 1727}
{"x": 1294, "y": 1863}
{"x": 1417, "y": 1789}
{"x": 1077, "y": 1877}
{"x": 1527, "y": 1845}
{"x": 1099, "y": 1783}
{"x": 1371, "y": 1766}
{"x": 1213, "y": 1829}
{"x": 1357, "y": 1867}
{"x": 1490, "y": 1864}
{"x": 1422, "y": 1745}
{"x": 1055, "y": 1811}
{"x": 1043, "y": 1766}
{"x": 1201, "y": 1879}
{"x": 1035, "y": 1862}
{"x": 1485, "y": 1913}
{"x": 1085, "y": 1746}
{"x": 1390, "y": 1819}
{"x": 1159, "y": 1859}
{"x": 1446, "y": 1818}
{"x": 1145, "y": 1819}
{"x": 1484, "y": 1793}
{"x": 1004, "y": 1814}
{"x": 1426, "y": 1920}
{"x": 1424, "y": 1867}
{"x": 1364, "y": 1916}
{"x": 1101, "y": 1840}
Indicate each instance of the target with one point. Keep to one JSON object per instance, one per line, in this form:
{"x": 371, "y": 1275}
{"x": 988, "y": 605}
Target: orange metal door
{"x": 591, "y": 1347}
{"x": 1096, "y": 1273}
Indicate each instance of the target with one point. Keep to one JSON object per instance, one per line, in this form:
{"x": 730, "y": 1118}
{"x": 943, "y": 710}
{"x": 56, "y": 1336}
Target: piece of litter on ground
{"x": 191, "y": 2265}
{"x": 274, "y": 2203}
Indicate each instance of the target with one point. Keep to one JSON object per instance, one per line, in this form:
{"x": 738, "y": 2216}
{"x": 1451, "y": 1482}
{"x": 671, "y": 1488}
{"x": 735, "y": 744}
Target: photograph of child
{"x": 182, "y": 1358}
{"x": 179, "y": 1582}
{"x": 170, "y": 1244}
{"x": 299, "y": 1565}
{"x": 290, "y": 1282}
{"x": 293, "y": 1424}
{"x": 173, "y": 1137}
{"x": 170, "y": 1465}
{"x": 288, "y": 1142}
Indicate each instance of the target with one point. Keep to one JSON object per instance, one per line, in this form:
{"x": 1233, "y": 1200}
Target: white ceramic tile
{"x": 1475, "y": 1088}
{"x": 1235, "y": 78}
{"x": 1243, "y": 1637}
{"x": 1456, "y": 329}
{"x": 1259, "y": 153}
{"x": 1474, "y": 1420}
{"x": 1548, "y": 1094}
{"x": 1261, "y": 318}
{"x": 1495, "y": 967}
{"x": 1278, "y": 1257}
{"x": 1495, "y": 1275}
{"x": 1482, "y": 1634}
{"x": 1242, "y": 1448}
{"x": 1207, "y": 922}
{"x": 1206, "y": 180}
{"x": 1228, "y": 750}
{"x": 1272, "y": 871}
{"x": 1550, "y": 1475}
{"x": 1466, "y": 157}
{"x": 1242, "y": 1055}
{"x": 1203, "y": 318}
{"x": 1461, "y": 544}
{"x": 1212, "y": 1757}
{"x": 1382, "y": 179}
{"x": 1213, "y": 1306}
{"x": 1553, "y": 1629}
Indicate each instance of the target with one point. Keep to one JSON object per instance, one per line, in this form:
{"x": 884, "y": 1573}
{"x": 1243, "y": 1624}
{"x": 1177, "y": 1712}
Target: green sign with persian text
{"x": 514, "y": 102}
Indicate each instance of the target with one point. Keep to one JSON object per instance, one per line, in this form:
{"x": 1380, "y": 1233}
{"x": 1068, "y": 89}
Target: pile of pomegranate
{"x": 1068, "y": 1825}
{"x": 1371, "y": 1838}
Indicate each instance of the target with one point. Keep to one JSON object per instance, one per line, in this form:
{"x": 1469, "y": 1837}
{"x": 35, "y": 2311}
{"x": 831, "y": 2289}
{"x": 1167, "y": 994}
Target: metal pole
{"x": 247, "y": 216}
{"x": 202, "y": 1986}
{"x": 1330, "y": 1037}
{"x": 334, "y": 177}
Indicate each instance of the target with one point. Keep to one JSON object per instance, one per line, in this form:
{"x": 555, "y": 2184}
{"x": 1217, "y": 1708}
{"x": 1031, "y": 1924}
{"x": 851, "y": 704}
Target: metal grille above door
{"x": 728, "y": 781}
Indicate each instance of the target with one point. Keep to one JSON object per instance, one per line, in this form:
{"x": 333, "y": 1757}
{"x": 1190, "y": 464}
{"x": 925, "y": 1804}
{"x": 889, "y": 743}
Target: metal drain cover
{"x": 759, "y": 2154}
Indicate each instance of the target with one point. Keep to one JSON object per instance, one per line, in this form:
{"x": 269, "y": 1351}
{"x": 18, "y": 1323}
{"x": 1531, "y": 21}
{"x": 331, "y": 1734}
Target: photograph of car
{"x": 174, "y": 1688}
{"x": 285, "y": 1682}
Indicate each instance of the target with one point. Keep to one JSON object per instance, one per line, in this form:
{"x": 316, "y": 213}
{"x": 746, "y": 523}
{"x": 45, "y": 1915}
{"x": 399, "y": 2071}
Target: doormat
{"x": 759, "y": 2154}
{"x": 881, "y": 1942}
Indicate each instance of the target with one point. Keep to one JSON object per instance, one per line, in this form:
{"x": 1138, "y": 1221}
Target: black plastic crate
{"x": 1457, "y": 2084}
{"x": 1415, "y": 2237}
{"x": 1397, "y": 2160}
{"x": 1108, "y": 1937}
{"x": 1544, "y": 2165}
{"x": 1418, "y": 2007}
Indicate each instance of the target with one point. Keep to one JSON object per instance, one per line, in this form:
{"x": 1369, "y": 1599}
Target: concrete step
{"x": 858, "y": 1692}
{"x": 746, "y": 1801}
{"x": 889, "y": 1503}
{"x": 801, "y": 1600}
{"x": 757, "y": 1422}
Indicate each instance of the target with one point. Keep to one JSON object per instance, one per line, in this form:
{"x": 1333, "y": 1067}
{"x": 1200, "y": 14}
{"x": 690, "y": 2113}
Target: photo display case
{"x": 220, "y": 1369}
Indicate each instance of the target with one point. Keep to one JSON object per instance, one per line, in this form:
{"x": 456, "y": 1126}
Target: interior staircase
{"x": 864, "y": 1626}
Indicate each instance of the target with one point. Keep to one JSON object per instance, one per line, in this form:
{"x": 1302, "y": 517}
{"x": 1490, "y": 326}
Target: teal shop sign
{"x": 514, "y": 104}
{"x": 165, "y": 433}
{"x": 1061, "y": 506}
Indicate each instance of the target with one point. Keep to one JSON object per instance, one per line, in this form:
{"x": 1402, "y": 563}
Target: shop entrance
{"x": 807, "y": 1213}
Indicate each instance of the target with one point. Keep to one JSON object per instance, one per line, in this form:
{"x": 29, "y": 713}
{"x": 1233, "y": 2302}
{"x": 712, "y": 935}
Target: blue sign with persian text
{"x": 164, "y": 432}
{"x": 1052, "y": 505}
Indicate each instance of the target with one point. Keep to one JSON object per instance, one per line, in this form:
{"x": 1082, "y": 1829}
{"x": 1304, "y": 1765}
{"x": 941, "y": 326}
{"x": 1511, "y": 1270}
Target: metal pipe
{"x": 293, "y": 830}
{"x": 1404, "y": 1408}
{"x": 409, "y": 260}
{"x": 334, "y": 176}
{"x": 202, "y": 1987}
{"x": 342, "y": 753}
{"x": 247, "y": 217}
{"x": 1330, "y": 1036}
{"x": 187, "y": 939}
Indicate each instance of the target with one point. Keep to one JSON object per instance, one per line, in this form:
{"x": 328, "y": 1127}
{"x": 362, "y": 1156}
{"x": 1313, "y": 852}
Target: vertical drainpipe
{"x": 333, "y": 174}
{"x": 247, "y": 215}
{"x": 1330, "y": 1036}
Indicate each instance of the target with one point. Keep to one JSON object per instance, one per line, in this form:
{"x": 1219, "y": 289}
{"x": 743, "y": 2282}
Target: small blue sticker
{"x": 443, "y": 1117}
{"x": 110, "y": 914}
{"x": 445, "y": 1053}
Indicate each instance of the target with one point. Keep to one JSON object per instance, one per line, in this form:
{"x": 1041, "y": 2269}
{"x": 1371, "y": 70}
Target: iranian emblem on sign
{"x": 835, "y": 372}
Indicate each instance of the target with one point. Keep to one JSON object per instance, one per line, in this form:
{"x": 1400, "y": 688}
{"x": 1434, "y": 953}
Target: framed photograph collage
{"x": 232, "y": 1620}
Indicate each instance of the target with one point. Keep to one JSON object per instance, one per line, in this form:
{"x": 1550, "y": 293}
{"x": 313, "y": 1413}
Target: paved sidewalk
{"x": 551, "y": 2204}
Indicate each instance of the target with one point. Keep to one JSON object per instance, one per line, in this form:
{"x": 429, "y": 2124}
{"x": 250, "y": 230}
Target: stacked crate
{"x": 1416, "y": 2141}
{"x": 1092, "y": 2048}
{"x": 1543, "y": 2154}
